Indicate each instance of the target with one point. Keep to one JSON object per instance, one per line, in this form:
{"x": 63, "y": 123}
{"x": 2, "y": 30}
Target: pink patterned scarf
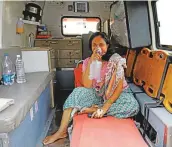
{"x": 114, "y": 73}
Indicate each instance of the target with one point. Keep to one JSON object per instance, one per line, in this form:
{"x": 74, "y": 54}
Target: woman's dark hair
{"x": 102, "y": 34}
{"x": 106, "y": 39}
{"x": 116, "y": 48}
{"x": 121, "y": 50}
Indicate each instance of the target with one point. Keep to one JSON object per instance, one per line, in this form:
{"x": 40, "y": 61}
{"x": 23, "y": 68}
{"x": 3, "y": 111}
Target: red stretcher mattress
{"x": 105, "y": 132}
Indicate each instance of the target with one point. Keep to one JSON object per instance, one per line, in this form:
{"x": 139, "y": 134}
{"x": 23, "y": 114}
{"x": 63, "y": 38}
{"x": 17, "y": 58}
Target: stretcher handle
{"x": 145, "y": 51}
{"x": 80, "y": 61}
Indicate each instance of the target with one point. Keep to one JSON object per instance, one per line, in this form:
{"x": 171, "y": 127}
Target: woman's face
{"x": 98, "y": 41}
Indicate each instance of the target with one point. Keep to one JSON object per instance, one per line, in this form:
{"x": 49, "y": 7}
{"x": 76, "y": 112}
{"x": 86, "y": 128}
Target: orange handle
{"x": 160, "y": 55}
{"x": 168, "y": 105}
{"x": 137, "y": 81}
{"x": 145, "y": 51}
{"x": 150, "y": 91}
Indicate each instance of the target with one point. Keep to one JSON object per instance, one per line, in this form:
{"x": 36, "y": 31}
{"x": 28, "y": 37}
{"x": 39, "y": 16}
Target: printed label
{"x": 36, "y": 107}
{"x": 31, "y": 113}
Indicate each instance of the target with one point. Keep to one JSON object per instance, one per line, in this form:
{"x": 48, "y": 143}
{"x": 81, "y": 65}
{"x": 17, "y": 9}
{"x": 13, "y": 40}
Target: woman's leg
{"x": 80, "y": 97}
{"x": 84, "y": 99}
{"x": 62, "y": 132}
{"x": 125, "y": 106}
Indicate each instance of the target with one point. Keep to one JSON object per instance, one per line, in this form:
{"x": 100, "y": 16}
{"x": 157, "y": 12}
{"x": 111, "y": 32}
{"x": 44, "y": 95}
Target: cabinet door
{"x": 70, "y": 44}
{"x": 67, "y": 63}
{"x": 74, "y": 54}
{"x": 42, "y": 43}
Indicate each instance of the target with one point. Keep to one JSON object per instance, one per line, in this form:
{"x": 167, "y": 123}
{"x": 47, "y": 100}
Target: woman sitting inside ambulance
{"x": 110, "y": 96}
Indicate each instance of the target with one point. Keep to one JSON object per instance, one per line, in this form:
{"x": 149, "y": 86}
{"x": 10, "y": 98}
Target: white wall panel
{"x": 53, "y": 13}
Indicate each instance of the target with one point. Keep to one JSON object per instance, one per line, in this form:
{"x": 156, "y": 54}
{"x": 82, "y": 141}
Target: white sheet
{"x": 5, "y": 103}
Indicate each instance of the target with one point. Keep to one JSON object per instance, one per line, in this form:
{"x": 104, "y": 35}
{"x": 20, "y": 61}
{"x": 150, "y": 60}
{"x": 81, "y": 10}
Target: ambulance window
{"x": 73, "y": 26}
{"x": 163, "y": 23}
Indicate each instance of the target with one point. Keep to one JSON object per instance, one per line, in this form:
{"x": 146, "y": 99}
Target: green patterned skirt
{"x": 125, "y": 106}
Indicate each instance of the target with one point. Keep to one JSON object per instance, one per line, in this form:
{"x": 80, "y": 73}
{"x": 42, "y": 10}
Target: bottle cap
{"x": 5, "y": 54}
{"x": 99, "y": 50}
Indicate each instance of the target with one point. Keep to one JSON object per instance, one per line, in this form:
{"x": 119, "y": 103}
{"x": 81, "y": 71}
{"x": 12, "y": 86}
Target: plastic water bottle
{"x": 8, "y": 71}
{"x": 20, "y": 72}
{"x": 92, "y": 70}
{"x": 98, "y": 67}
{"x": 95, "y": 69}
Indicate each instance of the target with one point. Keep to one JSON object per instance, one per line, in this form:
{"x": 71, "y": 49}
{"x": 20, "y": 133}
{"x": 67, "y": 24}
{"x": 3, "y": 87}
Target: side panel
{"x": 27, "y": 134}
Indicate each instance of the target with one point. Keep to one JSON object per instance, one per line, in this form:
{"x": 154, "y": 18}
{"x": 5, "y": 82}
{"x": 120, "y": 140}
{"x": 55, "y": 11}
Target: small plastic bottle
{"x": 92, "y": 70}
{"x": 98, "y": 67}
{"x": 8, "y": 73}
{"x": 20, "y": 26}
{"x": 20, "y": 72}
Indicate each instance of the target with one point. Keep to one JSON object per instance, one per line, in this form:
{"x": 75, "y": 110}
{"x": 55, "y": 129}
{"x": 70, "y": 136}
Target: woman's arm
{"x": 85, "y": 75}
{"x": 110, "y": 101}
{"x": 114, "y": 97}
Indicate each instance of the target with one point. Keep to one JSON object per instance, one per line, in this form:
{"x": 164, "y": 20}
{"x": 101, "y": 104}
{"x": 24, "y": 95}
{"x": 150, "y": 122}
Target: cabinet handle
{"x": 54, "y": 42}
{"x": 70, "y": 62}
{"x": 77, "y": 52}
{"x": 71, "y": 54}
{"x": 69, "y": 44}
{"x": 75, "y": 41}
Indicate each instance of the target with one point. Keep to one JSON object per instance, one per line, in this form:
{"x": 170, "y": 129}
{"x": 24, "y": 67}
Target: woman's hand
{"x": 91, "y": 109}
{"x": 99, "y": 113}
{"x": 95, "y": 55}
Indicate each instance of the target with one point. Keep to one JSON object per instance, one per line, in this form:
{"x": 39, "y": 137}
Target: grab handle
{"x": 149, "y": 91}
{"x": 145, "y": 51}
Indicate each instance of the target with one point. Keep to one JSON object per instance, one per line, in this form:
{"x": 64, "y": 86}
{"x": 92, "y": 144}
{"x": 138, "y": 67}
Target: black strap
{"x": 163, "y": 77}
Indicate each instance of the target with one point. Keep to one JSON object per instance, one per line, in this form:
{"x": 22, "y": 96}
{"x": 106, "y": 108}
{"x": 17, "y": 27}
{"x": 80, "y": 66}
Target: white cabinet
{"x": 39, "y": 60}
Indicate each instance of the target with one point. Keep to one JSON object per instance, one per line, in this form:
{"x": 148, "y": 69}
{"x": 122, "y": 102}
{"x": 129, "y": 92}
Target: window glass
{"x": 78, "y": 26}
{"x": 164, "y": 22}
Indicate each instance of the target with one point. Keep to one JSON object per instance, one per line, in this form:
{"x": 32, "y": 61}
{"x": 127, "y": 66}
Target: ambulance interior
{"x": 52, "y": 38}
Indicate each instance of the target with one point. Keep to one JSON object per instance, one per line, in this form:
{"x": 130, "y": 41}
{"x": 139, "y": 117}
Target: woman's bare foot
{"x": 54, "y": 137}
{"x": 89, "y": 110}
